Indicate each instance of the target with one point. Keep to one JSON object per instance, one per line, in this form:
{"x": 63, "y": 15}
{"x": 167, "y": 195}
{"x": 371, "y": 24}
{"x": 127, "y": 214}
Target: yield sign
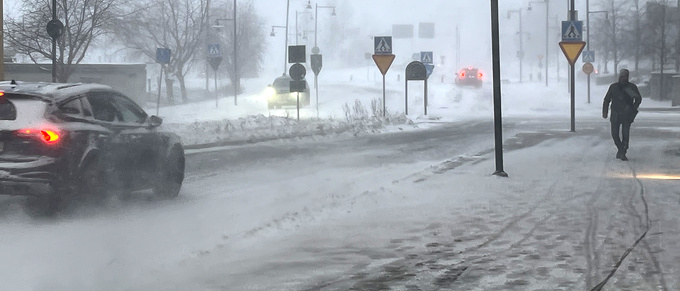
{"x": 572, "y": 50}
{"x": 383, "y": 62}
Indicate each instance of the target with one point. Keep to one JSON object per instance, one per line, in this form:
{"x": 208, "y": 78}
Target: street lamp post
{"x": 316, "y": 49}
{"x": 272, "y": 34}
{"x": 588, "y": 12}
{"x": 236, "y": 82}
{"x": 520, "y": 55}
{"x": 547, "y": 28}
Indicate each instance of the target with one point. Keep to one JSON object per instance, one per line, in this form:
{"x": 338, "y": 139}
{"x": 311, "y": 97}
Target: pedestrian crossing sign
{"x": 383, "y": 45}
{"x": 572, "y": 31}
{"x": 214, "y": 50}
{"x": 426, "y": 57}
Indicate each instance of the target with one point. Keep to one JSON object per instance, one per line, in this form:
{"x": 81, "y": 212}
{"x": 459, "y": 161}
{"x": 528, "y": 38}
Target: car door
{"x": 144, "y": 141}
{"x": 116, "y": 148}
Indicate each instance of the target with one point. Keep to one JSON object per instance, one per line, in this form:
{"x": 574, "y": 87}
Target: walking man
{"x": 625, "y": 99}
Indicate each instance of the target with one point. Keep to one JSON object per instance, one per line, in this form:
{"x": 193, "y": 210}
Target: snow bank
{"x": 258, "y": 128}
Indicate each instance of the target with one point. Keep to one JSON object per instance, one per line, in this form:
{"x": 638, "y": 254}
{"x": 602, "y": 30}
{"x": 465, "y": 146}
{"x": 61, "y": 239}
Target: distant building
{"x": 129, "y": 79}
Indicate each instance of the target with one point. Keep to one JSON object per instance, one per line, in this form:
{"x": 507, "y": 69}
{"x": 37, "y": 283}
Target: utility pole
{"x": 547, "y": 43}
{"x": 588, "y": 39}
{"x": 2, "y": 43}
{"x": 54, "y": 45}
{"x": 237, "y": 79}
{"x": 207, "y": 37}
{"x": 285, "y": 55}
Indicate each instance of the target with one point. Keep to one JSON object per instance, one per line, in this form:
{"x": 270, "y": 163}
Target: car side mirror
{"x": 155, "y": 121}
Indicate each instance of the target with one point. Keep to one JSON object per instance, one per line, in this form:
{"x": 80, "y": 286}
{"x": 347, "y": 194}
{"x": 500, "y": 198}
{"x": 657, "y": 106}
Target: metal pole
{"x": 316, "y": 88}
{"x": 160, "y": 84}
{"x": 296, "y": 28}
{"x": 237, "y": 84}
{"x": 588, "y": 39}
{"x": 316, "y": 21}
{"x": 572, "y": 79}
{"x": 521, "y": 45}
{"x": 498, "y": 124}
{"x": 547, "y": 30}
{"x": 54, "y": 45}
{"x": 298, "y": 106}
{"x": 2, "y": 44}
{"x": 457, "y": 47}
{"x": 384, "y": 106}
{"x": 406, "y": 96}
{"x": 207, "y": 37}
{"x": 216, "y": 99}
{"x": 425, "y": 96}
{"x": 285, "y": 55}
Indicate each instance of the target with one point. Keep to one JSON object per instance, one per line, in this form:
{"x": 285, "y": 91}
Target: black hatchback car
{"x": 63, "y": 141}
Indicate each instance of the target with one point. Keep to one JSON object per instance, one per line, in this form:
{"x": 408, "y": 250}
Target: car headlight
{"x": 269, "y": 92}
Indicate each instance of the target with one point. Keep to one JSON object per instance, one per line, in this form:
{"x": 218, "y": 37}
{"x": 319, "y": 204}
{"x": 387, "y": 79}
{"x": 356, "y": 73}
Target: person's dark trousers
{"x": 621, "y": 137}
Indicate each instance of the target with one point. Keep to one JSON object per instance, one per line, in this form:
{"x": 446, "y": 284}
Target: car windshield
{"x": 402, "y": 145}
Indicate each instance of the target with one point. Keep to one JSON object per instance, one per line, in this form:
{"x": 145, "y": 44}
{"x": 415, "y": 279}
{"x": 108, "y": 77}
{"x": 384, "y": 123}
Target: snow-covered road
{"x": 408, "y": 211}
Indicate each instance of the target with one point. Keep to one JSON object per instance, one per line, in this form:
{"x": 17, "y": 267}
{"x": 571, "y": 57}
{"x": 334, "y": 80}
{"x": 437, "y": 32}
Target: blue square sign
{"x": 214, "y": 50}
{"x": 382, "y": 45}
{"x": 426, "y": 57}
{"x": 163, "y": 55}
{"x": 572, "y": 31}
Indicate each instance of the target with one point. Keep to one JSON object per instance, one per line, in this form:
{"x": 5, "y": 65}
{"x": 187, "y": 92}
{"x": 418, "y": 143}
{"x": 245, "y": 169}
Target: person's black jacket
{"x": 625, "y": 99}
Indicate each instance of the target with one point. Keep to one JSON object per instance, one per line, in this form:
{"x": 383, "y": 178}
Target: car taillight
{"x": 462, "y": 74}
{"x": 47, "y": 136}
{"x": 479, "y": 76}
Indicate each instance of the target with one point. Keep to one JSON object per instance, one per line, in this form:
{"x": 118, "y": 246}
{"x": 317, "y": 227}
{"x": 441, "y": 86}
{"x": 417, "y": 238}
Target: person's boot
{"x": 618, "y": 154}
{"x": 623, "y": 155}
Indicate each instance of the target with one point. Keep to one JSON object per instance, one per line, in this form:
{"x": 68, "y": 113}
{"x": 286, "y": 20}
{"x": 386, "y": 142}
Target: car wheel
{"x": 171, "y": 176}
{"x": 41, "y": 206}
{"x": 90, "y": 182}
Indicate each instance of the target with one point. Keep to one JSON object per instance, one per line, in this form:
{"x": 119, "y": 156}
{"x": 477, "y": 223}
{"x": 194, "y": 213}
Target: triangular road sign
{"x": 383, "y": 62}
{"x": 572, "y": 50}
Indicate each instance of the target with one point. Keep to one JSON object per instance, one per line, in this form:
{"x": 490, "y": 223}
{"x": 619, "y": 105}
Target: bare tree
{"x": 174, "y": 24}
{"x": 250, "y": 39}
{"x": 84, "y": 20}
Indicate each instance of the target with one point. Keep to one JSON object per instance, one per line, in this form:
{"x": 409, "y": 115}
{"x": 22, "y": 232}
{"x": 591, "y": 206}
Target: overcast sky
{"x": 369, "y": 18}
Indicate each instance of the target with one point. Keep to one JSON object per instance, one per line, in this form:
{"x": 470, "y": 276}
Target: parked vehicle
{"x": 61, "y": 141}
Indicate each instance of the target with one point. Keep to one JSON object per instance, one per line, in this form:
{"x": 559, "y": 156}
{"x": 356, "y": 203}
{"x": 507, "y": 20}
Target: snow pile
{"x": 259, "y": 128}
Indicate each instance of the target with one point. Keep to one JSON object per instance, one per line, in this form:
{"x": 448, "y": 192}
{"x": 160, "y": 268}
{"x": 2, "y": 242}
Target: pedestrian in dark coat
{"x": 625, "y": 99}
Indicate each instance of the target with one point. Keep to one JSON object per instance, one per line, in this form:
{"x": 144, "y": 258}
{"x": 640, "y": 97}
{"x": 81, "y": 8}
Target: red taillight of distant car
{"x": 479, "y": 76}
{"x": 462, "y": 74}
{"x": 47, "y": 136}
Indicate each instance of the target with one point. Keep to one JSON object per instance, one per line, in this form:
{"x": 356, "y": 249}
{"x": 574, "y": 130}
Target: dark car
{"x": 279, "y": 94}
{"x": 469, "y": 77}
{"x": 63, "y": 141}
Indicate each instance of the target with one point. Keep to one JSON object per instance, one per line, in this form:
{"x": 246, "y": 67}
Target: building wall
{"x": 129, "y": 79}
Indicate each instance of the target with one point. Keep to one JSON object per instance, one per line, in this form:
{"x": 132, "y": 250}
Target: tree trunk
{"x": 183, "y": 88}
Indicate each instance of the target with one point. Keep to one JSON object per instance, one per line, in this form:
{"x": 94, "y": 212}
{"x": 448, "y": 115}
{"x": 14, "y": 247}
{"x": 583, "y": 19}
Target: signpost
{"x": 383, "y": 58}
{"x": 163, "y": 58}
{"x": 588, "y": 57}
{"x": 316, "y": 60}
{"x": 426, "y": 58}
{"x": 215, "y": 59}
{"x": 416, "y": 71}
{"x": 572, "y": 44}
{"x": 297, "y": 55}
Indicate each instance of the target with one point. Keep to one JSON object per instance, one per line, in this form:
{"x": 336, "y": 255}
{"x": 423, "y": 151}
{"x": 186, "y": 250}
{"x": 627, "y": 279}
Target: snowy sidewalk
{"x": 567, "y": 213}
